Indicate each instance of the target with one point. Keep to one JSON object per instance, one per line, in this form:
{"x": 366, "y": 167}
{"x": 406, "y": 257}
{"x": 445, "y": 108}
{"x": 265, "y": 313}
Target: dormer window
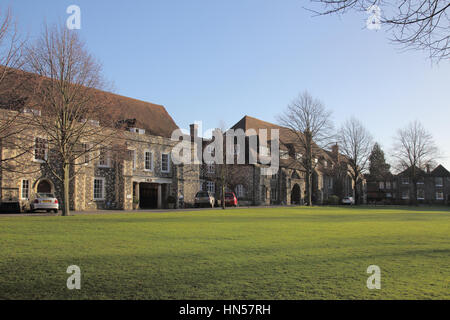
{"x": 439, "y": 182}
{"x": 32, "y": 111}
{"x": 94, "y": 123}
{"x": 137, "y": 130}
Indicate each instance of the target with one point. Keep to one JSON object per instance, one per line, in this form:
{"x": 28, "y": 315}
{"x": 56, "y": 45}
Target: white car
{"x": 204, "y": 199}
{"x": 348, "y": 200}
{"x": 46, "y": 202}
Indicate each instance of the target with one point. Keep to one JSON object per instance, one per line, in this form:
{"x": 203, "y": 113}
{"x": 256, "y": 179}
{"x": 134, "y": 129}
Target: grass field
{"x": 276, "y": 253}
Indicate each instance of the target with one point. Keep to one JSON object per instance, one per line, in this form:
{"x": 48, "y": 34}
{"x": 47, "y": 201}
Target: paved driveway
{"x": 81, "y": 213}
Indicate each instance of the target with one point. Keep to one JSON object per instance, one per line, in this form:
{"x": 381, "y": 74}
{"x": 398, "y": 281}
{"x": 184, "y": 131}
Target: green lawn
{"x": 276, "y": 253}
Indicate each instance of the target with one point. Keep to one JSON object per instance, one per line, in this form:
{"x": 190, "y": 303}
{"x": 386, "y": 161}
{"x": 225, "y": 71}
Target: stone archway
{"x": 296, "y": 194}
{"x": 44, "y": 186}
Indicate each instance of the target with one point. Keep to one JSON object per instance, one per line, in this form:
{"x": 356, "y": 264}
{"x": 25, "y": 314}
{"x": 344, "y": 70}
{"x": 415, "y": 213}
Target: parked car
{"x": 231, "y": 199}
{"x": 204, "y": 199}
{"x": 348, "y": 200}
{"x": 44, "y": 201}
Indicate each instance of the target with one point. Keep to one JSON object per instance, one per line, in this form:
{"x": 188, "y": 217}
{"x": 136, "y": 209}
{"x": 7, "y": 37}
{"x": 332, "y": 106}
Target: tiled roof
{"x": 287, "y": 137}
{"x": 18, "y": 85}
{"x": 440, "y": 171}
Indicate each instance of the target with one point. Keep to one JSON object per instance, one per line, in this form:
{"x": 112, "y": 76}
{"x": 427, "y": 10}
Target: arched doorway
{"x": 296, "y": 194}
{"x": 44, "y": 186}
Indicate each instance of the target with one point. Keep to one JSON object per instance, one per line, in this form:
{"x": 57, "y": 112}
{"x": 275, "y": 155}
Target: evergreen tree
{"x": 378, "y": 166}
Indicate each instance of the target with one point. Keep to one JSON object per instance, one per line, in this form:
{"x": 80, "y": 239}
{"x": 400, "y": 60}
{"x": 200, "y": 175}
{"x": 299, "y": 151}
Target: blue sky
{"x": 217, "y": 61}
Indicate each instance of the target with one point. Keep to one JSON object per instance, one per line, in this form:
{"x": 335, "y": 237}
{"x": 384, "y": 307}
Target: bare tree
{"x": 12, "y": 122}
{"x": 416, "y": 24}
{"x": 356, "y": 144}
{"x": 310, "y": 123}
{"x": 68, "y": 110}
{"x": 414, "y": 150}
{"x": 11, "y": 45}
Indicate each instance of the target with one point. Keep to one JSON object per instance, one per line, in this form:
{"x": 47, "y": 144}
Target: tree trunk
{"x": 356, "y": 193}
{"x": 308, "y": 188}
{"x": 66, "y": 206}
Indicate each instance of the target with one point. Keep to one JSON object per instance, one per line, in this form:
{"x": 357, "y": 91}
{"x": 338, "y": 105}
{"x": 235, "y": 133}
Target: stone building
{"x": 143, "y": 177}
{"x": 330, "y": 176}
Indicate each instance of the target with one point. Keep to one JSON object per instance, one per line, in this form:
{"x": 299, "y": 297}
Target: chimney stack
{"x": 335, "y": 151}
{"x": 194, "y": 130}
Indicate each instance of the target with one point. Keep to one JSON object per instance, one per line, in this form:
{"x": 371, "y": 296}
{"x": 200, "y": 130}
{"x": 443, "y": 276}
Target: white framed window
{"x": 211, "y": 168}
{"x": 405, "y": 194}
{"x": 99, "y": 189}
{"x": 25, "y": 190}
{"x": 439, "y": 182}
{"x": 137, "y": 130}
{"x": 405, "y": 180}
{"x": 165, "y": 162}
{"x": 439, "y": 196}
{"x": 421, "y": 181}
{"x": 211, "y": 186}
{"x": 40, "y": 149}
{"x": 85, "y": 150}
{"x": 103, "y": 158}
{"x": 381, "y": 185}
{"x": 148, "y": 160}
{"x": 133, "y": 159}
{"x": 240, "y": 191}
{"x": 388, "y": 185}
{"x": 35, "y": 112}
{"x": 420, "y": 194}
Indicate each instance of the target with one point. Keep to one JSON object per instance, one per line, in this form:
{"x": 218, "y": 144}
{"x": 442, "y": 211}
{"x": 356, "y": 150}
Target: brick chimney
{"x": 197, "y": 144}
{"x": 335, "y": 151}
{"x": 194, "y": 130}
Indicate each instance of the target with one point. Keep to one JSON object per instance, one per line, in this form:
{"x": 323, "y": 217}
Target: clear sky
{"x": 215, "y": 61}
